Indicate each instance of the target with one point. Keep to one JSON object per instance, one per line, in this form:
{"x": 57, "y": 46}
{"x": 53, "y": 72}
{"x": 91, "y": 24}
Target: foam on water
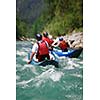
{"x": 77, "y": 75}
{"x": 17, "y": 77}
{"x": 18, "y": 65}
{"x": 47, "y": 75}
{"x": 25, "y": 58}
{"x": 27, "y": 66}
{"x": 42, "y": 78}
{"x": 21, "y": 53}
{"x": 56, "y": 76}
{"x": 24, "y": 83}
{"x": 52, "y": 74}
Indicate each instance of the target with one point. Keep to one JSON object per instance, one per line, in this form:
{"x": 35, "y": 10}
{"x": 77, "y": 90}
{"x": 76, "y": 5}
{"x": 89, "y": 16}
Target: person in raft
{"x": 41, "y": 49}
{"x": 47, "y": 39}
{"x": 62, "y": 44}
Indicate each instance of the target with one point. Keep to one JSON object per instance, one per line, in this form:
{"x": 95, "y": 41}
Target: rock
{"x": 79, "y": 46}
{"x": 75, "y": 40}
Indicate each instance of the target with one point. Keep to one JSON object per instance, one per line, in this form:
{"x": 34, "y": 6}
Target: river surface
{"x": 47, "y": 83}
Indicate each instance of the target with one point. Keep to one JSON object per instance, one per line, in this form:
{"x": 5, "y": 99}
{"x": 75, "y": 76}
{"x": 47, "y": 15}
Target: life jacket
{"x": 49, "y": 41}
{"x": 43, "y": 49}
{"x": 63, "y": 45}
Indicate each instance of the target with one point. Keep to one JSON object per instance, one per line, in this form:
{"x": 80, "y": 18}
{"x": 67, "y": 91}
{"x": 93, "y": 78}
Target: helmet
{"x": 45, "y": 34}
{"x": 60, "y": 39}
{"x": 38, "y": 37}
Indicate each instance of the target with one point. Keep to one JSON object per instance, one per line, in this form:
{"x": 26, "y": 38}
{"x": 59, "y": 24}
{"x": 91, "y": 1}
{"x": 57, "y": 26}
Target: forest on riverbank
{"x": 53, "y": 16}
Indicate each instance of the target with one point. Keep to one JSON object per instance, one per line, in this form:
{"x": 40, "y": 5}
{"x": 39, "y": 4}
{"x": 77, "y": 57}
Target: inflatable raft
{"x": 72, "y": 53}
{"x": 43, "y": 63}
{"x": 54, "y": 55}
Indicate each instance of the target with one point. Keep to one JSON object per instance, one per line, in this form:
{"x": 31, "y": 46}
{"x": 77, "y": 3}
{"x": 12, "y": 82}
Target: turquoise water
{"x": 47, "y": 83}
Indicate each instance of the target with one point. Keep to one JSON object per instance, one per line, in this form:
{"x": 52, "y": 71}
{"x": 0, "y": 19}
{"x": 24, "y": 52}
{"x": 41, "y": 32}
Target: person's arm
{"x": 34, "y": 49}
{"x": 49, "y": 46}
{"x": 55, "y": 42}
{"x": 56, "y": 45}
{"x": 31, "y": 57}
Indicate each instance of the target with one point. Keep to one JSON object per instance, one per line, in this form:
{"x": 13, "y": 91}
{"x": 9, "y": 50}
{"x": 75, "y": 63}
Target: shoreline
{"x": 75, "y": 40}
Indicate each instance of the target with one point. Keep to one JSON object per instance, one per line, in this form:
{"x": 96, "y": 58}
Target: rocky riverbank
{"x": 26, "y": 39}
{"x": 75, "y": 40}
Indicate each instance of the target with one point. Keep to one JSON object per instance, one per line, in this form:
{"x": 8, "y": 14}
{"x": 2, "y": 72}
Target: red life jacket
{"x": 43, "y": 49}
{"x": 63, "y": 45}
{"x": 49, "y": 41}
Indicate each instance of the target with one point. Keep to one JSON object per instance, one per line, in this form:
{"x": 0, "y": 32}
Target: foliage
{"x": 56, "y": 17}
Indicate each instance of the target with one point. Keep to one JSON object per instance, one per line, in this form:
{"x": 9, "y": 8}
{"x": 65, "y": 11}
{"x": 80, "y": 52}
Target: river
{"x": 47, "y": 83}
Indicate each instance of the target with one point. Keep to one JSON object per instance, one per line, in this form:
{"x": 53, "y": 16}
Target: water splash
{"x": 17, "y": 77}
{"x": 21, "y": 53}
{"x": 56, "y": 76}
